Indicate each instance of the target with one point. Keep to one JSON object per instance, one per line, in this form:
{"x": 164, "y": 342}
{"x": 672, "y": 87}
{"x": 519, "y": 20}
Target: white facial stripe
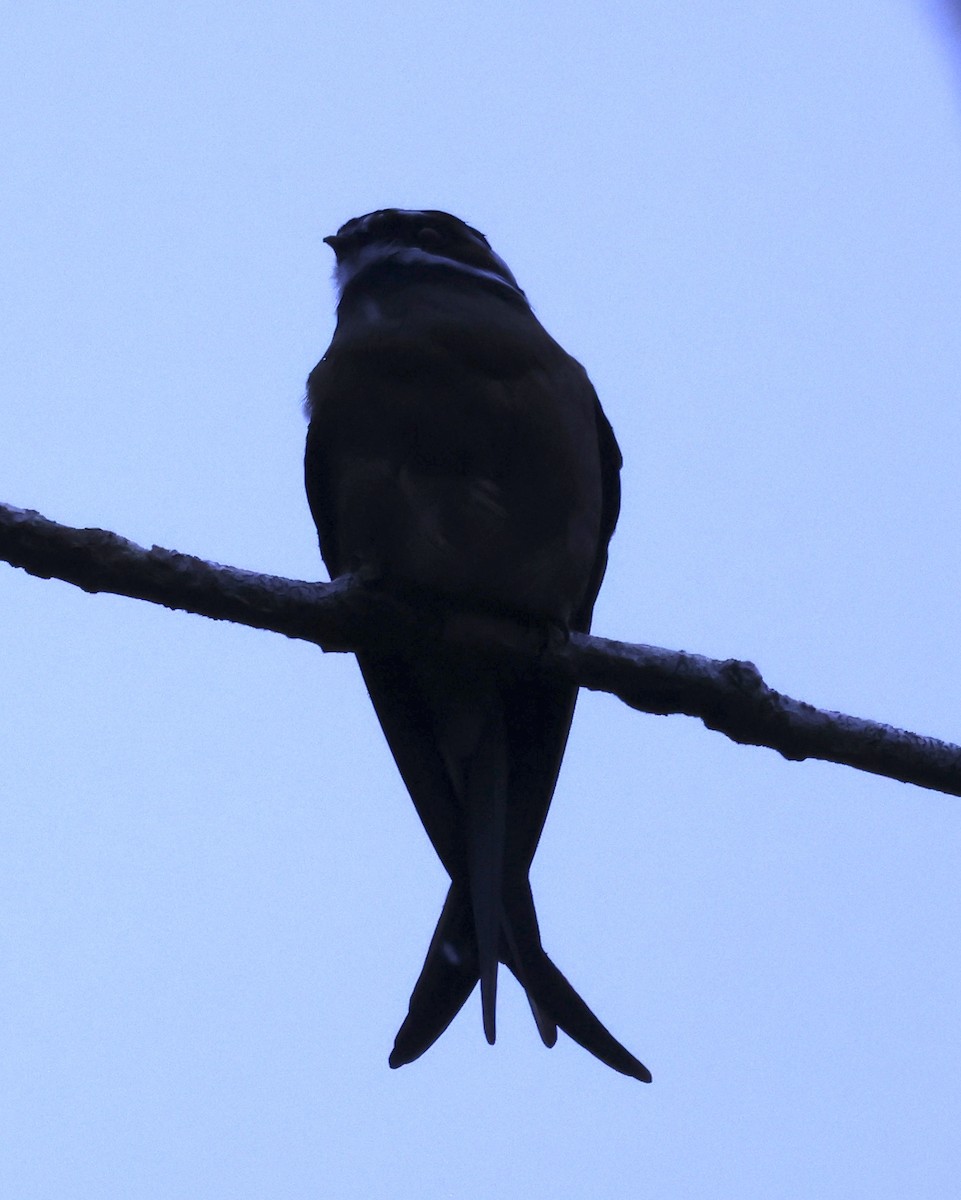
{"x": 503, "y": 265}
{"x": 377, "y": 252}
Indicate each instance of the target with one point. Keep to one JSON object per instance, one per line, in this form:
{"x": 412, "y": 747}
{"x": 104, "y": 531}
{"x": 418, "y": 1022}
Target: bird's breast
{"x": 473, "y": 473}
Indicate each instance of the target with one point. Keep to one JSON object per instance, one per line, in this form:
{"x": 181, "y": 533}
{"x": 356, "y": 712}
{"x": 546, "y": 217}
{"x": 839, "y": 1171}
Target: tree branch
{"x": 729, "y": 696}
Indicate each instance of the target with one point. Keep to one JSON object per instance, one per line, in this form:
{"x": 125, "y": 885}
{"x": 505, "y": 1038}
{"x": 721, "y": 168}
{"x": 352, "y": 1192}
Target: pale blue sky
{"x": 214, "y": 893}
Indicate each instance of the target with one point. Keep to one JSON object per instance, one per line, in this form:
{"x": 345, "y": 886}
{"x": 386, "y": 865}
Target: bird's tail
{"x": 484, "y": 801}
{"x": 451, "y": 971}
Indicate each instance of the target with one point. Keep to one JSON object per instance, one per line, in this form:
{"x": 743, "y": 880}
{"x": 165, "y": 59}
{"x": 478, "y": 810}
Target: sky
{"x": 215, "y": 895}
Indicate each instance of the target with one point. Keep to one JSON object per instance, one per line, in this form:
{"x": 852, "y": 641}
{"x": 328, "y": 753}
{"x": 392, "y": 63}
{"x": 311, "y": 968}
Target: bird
{"x": 458, "y": 457}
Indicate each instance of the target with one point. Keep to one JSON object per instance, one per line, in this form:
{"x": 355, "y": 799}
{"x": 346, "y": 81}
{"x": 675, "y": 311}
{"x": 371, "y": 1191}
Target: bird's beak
{"x": 334, "y": 241}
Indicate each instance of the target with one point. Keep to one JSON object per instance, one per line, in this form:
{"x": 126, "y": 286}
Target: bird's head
{"x": 415, "y": 237}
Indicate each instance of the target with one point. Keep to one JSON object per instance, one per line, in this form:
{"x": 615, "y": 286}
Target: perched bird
{"x": 458, "y": 456}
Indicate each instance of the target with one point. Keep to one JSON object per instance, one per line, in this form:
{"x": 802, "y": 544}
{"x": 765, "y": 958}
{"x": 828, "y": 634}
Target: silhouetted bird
{"x": 458, "y": 455}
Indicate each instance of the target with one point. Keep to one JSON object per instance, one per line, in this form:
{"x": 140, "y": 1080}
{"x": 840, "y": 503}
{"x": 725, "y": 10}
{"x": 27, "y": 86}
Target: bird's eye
{"x": 428, "y": 237}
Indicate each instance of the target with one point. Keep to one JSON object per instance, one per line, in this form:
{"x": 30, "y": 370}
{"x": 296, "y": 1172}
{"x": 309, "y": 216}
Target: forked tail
{"x": 451, "y": 971}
